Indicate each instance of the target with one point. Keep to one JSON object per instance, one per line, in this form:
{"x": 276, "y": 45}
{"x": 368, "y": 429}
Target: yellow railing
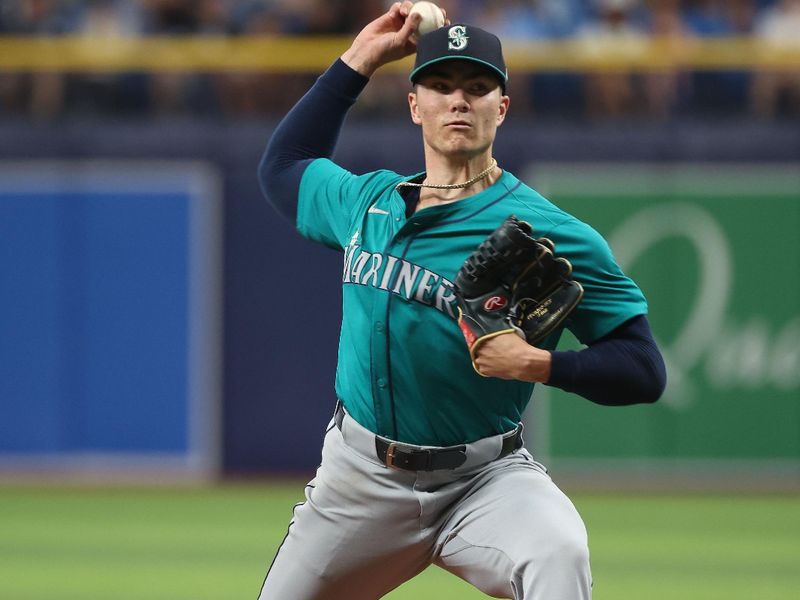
{"x": 314, "y": 54}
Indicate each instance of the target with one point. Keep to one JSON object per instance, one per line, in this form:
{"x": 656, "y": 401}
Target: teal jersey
{"x": 404, "y": 370}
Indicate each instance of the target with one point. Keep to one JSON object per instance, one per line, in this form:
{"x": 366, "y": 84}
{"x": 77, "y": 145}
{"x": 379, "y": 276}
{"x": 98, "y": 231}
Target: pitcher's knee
{"x": 572, "y": 554}
{"x": 565, "y": 558}
{"x": 559, "y": 572}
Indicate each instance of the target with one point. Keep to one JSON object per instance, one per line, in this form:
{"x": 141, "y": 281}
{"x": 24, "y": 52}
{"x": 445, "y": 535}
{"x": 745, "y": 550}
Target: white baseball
{"x": 432, "y": 16}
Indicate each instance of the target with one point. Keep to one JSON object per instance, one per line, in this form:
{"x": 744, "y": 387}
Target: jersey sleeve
{"x": 331, "y": 199}
{"x": 610, "y": 297}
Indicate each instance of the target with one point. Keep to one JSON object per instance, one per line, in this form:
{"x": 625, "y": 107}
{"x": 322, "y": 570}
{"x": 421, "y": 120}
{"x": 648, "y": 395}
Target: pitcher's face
{"x": 459, "y": 104}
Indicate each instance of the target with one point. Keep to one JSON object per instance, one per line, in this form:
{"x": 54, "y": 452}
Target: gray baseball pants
{"x": 364, "y": 529}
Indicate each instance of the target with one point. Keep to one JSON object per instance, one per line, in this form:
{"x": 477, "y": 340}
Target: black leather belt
{"x": 410, "y": 458}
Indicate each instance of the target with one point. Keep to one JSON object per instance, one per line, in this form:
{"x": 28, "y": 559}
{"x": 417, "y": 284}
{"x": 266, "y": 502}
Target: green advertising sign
{"x": 716, "y": 251}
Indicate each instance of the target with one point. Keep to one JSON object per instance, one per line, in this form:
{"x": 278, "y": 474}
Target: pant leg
{"x": 516, "y": 535}
{"x": 357, "y": 535}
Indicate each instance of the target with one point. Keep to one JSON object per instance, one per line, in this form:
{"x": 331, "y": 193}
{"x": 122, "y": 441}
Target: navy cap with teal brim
{"x": 461, "y": 42}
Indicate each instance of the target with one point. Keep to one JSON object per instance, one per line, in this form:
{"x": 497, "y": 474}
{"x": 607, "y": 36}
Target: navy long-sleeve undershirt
{"x": 310, "y": 130}
{"x": 624, "y": 367}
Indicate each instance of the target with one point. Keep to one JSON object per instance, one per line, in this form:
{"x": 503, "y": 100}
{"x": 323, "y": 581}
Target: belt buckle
{"x": 389, "y": 462}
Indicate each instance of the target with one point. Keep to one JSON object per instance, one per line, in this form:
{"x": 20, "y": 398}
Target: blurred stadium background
{"x": 161, "y": 326}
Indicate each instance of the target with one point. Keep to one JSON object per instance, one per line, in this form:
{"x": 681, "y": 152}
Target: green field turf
{"x": 189, "y": 544}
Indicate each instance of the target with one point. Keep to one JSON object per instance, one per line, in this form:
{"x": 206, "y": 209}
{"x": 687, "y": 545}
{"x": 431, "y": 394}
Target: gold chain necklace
{"x": 450, "y": 186}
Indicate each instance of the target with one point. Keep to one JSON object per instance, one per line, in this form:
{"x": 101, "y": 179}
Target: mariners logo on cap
{"x": 458, "y": 37}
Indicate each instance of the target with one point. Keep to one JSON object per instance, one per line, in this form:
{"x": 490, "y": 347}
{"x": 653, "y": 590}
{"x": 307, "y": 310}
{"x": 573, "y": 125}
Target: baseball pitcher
{"x": 457, "y": 282}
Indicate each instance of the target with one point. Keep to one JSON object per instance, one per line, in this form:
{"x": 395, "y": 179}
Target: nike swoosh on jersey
{"x": 377, "y": 211}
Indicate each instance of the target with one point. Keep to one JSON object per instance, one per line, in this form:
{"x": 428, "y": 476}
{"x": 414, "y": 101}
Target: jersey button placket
{"x": 379, "y": 343}
{"x": 379, "y": 366}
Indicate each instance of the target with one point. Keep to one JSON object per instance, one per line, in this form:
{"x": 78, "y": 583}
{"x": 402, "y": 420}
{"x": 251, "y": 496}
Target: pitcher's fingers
{"x": 405, "y": 7}
{"x": 409, "y": 27}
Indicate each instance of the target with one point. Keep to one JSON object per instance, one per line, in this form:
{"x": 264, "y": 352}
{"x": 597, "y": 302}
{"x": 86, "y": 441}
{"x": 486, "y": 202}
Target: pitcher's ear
{"x": 502, "y": 109}
{"x": 413, "y": 107}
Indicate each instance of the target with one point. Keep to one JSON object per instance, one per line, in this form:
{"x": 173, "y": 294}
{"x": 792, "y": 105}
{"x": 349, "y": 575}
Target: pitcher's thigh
{"x": 311, "y": 565}
{"x": 354, "y": 538}
{"x": 519, "y": 536}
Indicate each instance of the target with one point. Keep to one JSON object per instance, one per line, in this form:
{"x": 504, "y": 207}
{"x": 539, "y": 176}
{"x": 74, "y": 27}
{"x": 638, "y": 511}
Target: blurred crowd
{"x": 659, "y": 94}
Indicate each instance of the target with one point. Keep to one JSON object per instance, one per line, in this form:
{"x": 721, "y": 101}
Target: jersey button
{"x": 379, "y": 327}
{"x": 381, "y": 383}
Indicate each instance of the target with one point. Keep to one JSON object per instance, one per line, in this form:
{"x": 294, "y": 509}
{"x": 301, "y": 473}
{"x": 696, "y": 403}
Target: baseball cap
{"x": 462, "y": 42}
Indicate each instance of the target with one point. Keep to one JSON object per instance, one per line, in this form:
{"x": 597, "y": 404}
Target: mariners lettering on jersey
{"x": 398, "y": 276}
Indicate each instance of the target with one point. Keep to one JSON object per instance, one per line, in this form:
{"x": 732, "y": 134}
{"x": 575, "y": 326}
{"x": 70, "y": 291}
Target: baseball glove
{"x": 544, "y": 296}
{"x": 513, "y": 283}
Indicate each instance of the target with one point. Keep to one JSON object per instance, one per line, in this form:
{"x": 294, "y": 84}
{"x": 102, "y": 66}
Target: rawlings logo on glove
{"x": 495, "y": 303}
{"x": 513, "y": 283}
